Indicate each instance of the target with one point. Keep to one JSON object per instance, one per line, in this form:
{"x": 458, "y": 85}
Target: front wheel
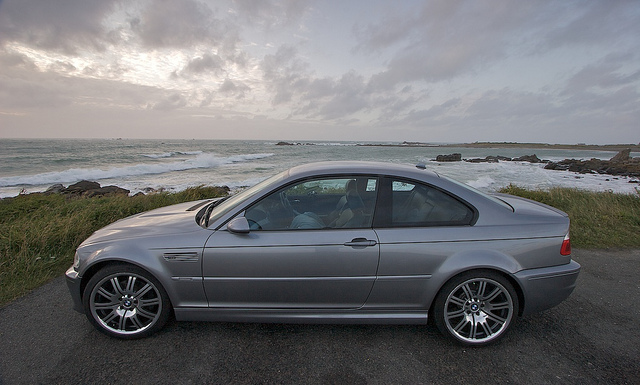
{"x": 476, "y": 308}
{"x": 126, "y": 302}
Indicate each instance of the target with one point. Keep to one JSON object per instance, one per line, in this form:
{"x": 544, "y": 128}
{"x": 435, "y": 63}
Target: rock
{"x": 81, "y": 187}
{"x": 284, "y": 144}
{"x": 107, "y": 190}
{"x": 489, "y": 159}
{"x": 623, "y": 165}
{"x": 55, "y": 189}
{"x": 622, "y": 156}
{"x": 528, "y": 158}
{"x": 449, "y": 158}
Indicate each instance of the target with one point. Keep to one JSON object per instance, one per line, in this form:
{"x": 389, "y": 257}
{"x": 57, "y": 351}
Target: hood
{"x": 169, "y": 220}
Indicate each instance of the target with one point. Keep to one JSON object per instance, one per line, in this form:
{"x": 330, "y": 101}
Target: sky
{"x": 556, "y": 71}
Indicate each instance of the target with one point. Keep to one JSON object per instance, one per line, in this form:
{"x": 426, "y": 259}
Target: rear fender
{"x": 472, "y": 260}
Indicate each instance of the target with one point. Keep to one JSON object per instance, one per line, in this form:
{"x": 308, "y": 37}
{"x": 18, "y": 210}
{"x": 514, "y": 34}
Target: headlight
{"x": 76, "y": 260}
{"x": 82, "y": 253}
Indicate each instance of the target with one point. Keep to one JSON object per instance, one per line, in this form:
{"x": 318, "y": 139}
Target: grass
{"x": 598, "y": 219}
{"x": 39, "y": 233}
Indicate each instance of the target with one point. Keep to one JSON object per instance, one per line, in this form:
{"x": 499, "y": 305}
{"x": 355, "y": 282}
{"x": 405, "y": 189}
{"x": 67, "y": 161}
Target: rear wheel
{"x": 126, "y": 302}
{"x": 476, "y": 308}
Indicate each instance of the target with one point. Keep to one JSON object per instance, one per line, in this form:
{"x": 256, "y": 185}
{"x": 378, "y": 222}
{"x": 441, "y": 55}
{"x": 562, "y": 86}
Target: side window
{"x": 414, "y": 204}
{"x": 344, "y": 202}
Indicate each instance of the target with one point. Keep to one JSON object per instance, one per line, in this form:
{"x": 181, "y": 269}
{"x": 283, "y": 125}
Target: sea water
{"x": 141, "y": 165}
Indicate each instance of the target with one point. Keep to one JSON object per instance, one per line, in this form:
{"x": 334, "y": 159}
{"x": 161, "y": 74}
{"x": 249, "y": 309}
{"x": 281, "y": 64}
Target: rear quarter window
{"x": 417, "y": 205}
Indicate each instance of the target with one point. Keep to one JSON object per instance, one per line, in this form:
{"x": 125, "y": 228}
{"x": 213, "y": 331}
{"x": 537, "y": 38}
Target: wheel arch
{"x": 483, "y": 260}
{"x": 101, "y": 264}
{"x": 510, "y": 278}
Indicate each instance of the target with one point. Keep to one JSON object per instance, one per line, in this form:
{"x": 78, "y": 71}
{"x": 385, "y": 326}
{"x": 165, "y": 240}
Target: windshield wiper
{"x": 206, "y": 212}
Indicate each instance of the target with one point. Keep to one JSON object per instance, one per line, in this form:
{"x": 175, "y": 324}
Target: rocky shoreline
{"x": 87, "y": 189}
{"x": 622, "y": 164}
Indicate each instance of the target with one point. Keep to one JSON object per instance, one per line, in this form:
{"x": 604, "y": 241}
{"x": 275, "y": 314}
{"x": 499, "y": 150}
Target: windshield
{"x": 235, "y": 200}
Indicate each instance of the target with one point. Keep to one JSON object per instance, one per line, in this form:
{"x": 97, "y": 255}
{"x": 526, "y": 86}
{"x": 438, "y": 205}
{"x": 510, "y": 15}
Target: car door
{"x": 298, "y": 254}
{"x": 418, "y": 228}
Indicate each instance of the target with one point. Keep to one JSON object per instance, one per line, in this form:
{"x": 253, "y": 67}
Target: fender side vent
{"x": 181, "y": 257}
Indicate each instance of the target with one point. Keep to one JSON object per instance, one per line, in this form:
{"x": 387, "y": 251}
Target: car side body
{"x": 334, "y": 242}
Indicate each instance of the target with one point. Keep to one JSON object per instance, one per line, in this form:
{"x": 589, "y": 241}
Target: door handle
{"x": 361, "y": 242}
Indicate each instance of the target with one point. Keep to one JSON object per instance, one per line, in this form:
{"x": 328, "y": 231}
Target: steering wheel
{"x": 286, "y": 204}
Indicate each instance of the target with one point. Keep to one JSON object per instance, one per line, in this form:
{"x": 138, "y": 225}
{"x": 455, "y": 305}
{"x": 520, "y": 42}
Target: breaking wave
{"x": 200, "y": 161}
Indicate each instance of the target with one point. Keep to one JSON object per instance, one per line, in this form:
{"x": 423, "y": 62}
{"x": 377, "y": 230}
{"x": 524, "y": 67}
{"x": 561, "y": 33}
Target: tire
{"x": 476, "y": 308}
{"x": 126, "y": 302}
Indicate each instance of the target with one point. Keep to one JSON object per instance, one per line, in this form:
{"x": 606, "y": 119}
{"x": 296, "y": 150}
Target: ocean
{"x": 140, "y": 165}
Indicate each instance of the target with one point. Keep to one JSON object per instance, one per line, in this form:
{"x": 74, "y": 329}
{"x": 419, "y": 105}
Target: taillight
{"x": 566, "y": 246}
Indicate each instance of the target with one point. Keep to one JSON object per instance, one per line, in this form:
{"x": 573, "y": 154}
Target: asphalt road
{"x": 592, "y": 338}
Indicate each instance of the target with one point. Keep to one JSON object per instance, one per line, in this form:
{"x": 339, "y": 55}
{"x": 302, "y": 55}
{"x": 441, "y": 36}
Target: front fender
{"x": 179, "y": 270}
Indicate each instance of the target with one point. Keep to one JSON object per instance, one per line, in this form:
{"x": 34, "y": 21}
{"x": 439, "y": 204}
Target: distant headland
{"x": 579, "y": 146}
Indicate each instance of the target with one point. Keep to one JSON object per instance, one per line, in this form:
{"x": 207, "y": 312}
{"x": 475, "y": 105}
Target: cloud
{"x": 61, "y": 25}
{"x": 180, "y": 24}
{"x": 443, "y": 39}
{"x": 231, "y": 88}
{"x": 592, "y": 23}
{"x": 205, "y": 63}
{"x": 270, "y": 14}
{"x": 285, "y": 74}
{"x": 606, "y": 74}
{"x": 172, "y": 102}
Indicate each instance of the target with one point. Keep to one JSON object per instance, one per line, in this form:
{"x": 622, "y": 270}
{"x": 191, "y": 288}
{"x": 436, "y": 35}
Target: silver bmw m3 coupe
{"x": 331, "y": 242}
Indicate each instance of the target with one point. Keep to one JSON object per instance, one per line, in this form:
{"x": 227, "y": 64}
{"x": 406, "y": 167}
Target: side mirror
{"x": 239, "y": 225}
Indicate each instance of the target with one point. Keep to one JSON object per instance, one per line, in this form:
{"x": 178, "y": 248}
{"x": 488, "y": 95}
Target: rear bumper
{"x": 73, "y": 283}
{"x": 545, "y": 288}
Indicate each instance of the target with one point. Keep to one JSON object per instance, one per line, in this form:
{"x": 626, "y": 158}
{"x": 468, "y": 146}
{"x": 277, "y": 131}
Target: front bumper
{"x": 546, "y": 287}
{"x": 73, "y": 283}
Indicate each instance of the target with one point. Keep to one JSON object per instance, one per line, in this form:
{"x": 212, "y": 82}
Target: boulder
{"x": 489, "y": 159}
{"x": 81, "y": 187}
{"x": 449, "y": 158}
{"x": 107, "y": 190}
{"x": 55, "y": 189}
{"x": 528, "y": 158}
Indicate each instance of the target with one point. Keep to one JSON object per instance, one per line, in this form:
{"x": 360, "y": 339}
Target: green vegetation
{"x": 598, "y": 219}
{"x": 39, "y": 233}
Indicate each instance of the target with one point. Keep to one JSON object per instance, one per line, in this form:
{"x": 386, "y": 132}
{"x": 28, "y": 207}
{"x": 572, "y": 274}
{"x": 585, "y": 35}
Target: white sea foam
{"x": 201, "y": 161}
{"x": 482, "y": 183}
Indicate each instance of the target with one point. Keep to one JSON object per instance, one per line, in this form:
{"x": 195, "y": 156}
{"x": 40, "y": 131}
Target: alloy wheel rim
{"x": 478, "y": 310}
{"x": 125, "y": 303}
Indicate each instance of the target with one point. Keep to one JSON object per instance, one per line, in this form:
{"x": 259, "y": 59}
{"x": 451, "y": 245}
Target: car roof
{"x": 360, "y": 167}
